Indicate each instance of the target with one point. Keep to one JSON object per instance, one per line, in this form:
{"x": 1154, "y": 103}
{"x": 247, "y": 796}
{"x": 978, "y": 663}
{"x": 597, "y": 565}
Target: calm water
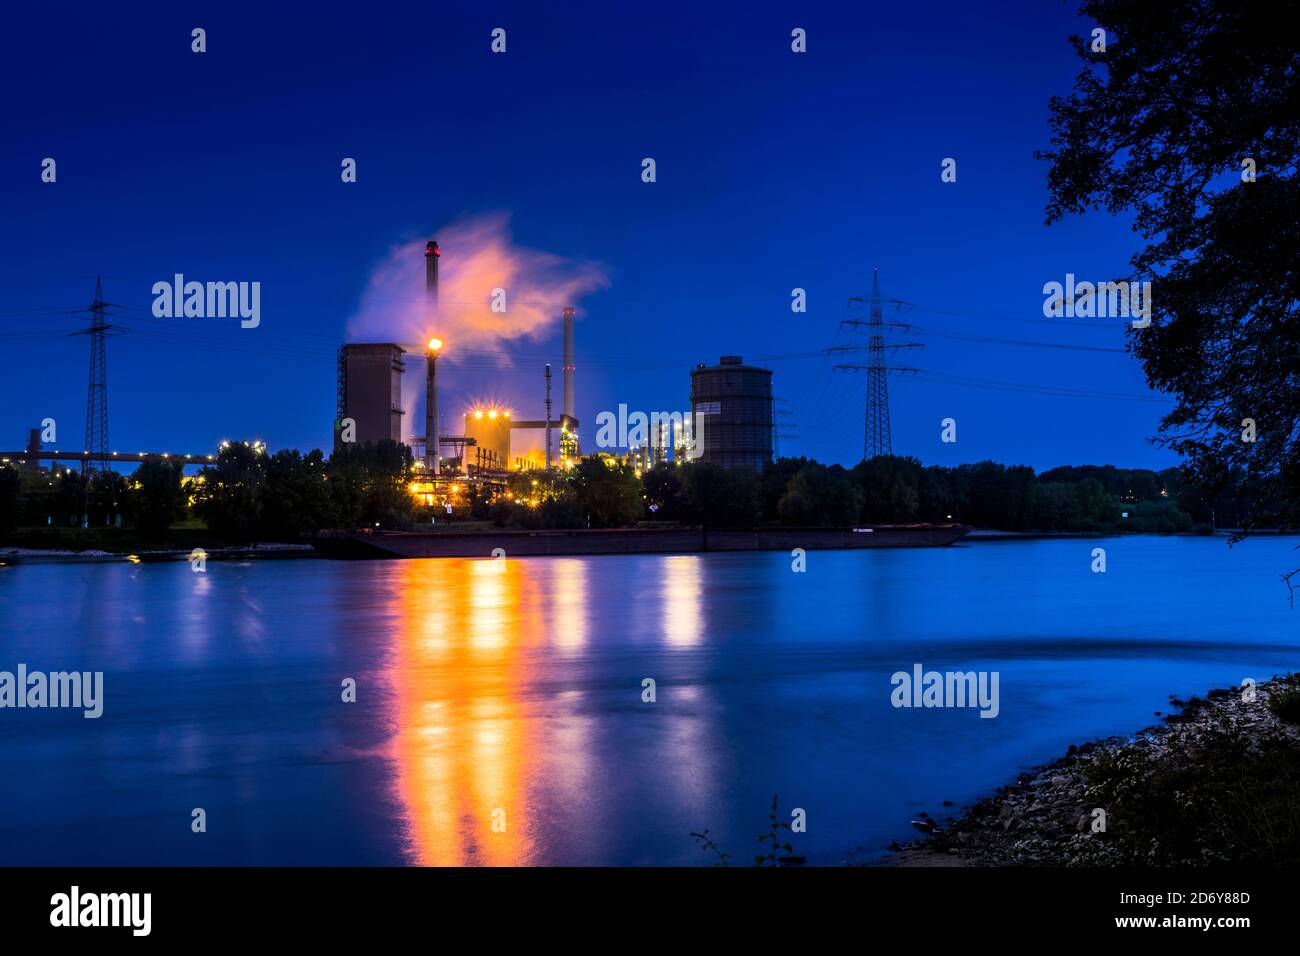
{"x": 482, "y": 686}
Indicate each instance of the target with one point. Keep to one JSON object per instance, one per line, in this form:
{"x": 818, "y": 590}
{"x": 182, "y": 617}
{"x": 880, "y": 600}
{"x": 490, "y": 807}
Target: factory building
{"x": 732, "y": 402}
{"x": 370, "y": 391}
{"x": 490, "y": 430}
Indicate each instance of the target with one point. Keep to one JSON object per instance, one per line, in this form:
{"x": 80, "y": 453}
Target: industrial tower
{"x": 97, "y": 386}
{"x": 876, "y": 438}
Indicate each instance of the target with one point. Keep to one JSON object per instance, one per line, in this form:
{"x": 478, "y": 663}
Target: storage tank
{"x": 732, "y": 402}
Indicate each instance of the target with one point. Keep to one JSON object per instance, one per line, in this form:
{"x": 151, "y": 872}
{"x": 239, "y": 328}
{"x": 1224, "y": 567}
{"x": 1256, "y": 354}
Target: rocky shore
{"x": 1218, "y": 783}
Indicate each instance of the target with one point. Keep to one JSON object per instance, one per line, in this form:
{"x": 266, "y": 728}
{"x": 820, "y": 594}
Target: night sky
{"x": 775, "y": 171}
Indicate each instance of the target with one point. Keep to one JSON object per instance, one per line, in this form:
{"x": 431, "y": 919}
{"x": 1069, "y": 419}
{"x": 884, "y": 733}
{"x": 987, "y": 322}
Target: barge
{"x": 375, "y": 543}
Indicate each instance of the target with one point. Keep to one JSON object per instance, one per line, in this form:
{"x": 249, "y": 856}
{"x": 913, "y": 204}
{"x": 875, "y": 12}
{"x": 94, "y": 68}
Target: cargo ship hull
{"x": 482, "y": 544}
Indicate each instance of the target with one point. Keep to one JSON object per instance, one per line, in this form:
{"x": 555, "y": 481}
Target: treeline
{"x": 883, "y": 490}
{"x": 248, "y": 495}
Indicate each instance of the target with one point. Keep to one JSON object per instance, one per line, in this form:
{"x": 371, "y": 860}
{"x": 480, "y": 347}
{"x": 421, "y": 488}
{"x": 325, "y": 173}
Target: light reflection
{"x": 567, "y": 600}
{"x": 492, "y": 586}
{"x": 464, "y": 745}
{"x": 682, "y": 595}
{"x": 494, "y": 707}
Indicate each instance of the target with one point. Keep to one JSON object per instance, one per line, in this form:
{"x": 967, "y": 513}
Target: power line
{"x": 960, "y": 380}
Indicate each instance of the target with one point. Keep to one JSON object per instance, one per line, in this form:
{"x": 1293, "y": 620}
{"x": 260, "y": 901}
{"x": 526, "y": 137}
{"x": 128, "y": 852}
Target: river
{"x": 499, "y": 715}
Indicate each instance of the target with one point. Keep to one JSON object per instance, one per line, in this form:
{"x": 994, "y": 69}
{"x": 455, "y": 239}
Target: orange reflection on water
{"x": 463, "y": 748}
{"x": 471, "y": 640}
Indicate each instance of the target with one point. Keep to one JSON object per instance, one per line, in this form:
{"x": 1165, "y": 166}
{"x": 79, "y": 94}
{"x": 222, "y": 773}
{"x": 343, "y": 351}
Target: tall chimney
{"x": 432, "y": 450}
{"x": 431, "y": 443}
{"x": 568, "y": 361}
{"x": 431, "y": 257}
{"x": 548, "y": 416}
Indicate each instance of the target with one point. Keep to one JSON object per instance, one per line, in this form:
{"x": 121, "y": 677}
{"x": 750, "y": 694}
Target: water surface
{"x": 516, "y": 686}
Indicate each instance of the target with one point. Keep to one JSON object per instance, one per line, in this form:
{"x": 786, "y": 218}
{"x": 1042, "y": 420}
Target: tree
{"x": 368, "y": 484}
{"x": 155, "y": 498}
{"x": 996, "y": 495}
{"x": 1188, "y": 120}
{"x": 822, "y": 497}
{"x": 296, "y": 497}
{"x": 229, "y": 494}
{"x": 720, "y": 497}
{"x": 663, "y": 491}
{"x": 609, "y": 492}
{"x": 889, "y": 486}
{"x": 773, "y": 484}
{"x": 11, "y": 499}
{"x": 69, "y": 499}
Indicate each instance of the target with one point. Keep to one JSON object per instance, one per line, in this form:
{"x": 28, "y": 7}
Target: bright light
{"x": 478, "y": 413}
{"x": 435, "y": 344}
{"x": 492, "y": 414}
{"x": 506, "y": 414}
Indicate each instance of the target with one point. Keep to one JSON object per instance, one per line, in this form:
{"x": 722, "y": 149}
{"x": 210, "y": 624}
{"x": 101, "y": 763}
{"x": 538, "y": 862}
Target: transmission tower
{"x": 97, "y": 385}
{"x": 782, "y": 422}
{"x": 876, "y": 437}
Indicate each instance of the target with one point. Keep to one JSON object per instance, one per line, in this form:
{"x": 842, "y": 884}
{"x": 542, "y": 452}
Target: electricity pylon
{"x": 876, "y": 438}
{"x": 97, "y": 386}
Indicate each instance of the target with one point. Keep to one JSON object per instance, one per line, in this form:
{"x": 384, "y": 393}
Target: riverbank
{"x": 236, "y": 553}
{"x": 1216, "y": 784}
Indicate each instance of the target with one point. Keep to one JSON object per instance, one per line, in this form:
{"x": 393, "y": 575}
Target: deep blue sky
{"x": 775, "y": 170}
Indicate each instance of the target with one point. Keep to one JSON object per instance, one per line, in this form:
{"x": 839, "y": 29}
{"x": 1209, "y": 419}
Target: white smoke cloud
{"x": 478, "y": 256}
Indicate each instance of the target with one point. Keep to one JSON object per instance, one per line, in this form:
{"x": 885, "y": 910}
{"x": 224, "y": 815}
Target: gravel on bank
{"x": 1148, "y": 785}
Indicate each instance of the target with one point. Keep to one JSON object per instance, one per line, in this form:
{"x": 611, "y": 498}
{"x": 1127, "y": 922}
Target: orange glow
{"x": 463, "y": 748}
{"x": 435, "y": 344}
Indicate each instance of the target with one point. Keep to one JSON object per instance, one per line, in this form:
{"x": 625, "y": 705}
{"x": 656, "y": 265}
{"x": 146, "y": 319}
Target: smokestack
{"x": 431, "y": 257}
{"x": 432, "y": 449}
{"x": 568, "y": 361}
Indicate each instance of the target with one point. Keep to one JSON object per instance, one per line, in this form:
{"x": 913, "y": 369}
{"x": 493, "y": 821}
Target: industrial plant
{"x": 731, "y": 401}
{"x": 731, "y": 422}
